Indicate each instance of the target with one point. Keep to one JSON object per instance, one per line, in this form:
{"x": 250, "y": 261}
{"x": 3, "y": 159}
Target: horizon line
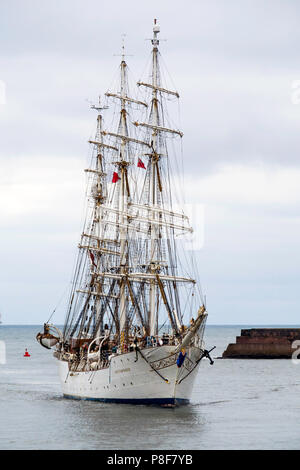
{"x": 208, "y": 324}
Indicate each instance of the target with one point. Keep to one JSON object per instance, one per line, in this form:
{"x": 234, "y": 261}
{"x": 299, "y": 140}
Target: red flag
{"x": 115, "y": 177}
{"x": 140, "y": 164}
{"x": 92, "y": 258}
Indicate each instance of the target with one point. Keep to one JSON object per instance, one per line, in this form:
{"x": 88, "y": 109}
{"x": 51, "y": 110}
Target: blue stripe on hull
{"x": 135, "y": 401}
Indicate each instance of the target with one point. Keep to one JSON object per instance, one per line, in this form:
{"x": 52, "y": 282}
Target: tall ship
{"x": 135, "y": 317}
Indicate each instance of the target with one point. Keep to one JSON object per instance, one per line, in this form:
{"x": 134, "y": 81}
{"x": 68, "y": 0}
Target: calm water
{"x": 236, "y": 404}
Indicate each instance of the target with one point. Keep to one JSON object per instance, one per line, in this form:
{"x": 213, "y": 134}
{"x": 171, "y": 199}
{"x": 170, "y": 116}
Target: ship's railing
{"x": 79, "y": 359}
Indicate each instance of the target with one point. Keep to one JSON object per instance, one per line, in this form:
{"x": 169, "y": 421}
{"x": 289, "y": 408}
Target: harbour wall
{"x": 263, "y": 343}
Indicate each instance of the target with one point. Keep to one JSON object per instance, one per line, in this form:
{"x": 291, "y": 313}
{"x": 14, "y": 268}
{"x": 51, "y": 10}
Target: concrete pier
{"x": 263, "y": 343}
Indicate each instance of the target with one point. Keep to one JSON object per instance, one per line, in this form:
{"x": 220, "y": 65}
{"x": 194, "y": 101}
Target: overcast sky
{"x": 236, "y": 66}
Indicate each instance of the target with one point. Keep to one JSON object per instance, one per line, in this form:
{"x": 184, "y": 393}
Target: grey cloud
{"x": 233, "y": 63}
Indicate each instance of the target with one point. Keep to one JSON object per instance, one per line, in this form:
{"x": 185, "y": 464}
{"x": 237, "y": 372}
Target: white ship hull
{"x": 128, "y": 380}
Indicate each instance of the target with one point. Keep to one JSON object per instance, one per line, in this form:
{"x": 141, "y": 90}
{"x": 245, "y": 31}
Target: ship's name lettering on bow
{"x": 122, "y": 370}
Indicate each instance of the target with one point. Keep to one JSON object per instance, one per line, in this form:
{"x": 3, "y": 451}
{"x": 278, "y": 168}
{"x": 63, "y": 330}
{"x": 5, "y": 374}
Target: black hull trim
{"x": 136, "y": 401}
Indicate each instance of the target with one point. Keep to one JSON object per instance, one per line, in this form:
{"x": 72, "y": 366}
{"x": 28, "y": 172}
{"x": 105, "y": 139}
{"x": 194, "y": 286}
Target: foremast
{"x": 100, "y": 196}
{"x": 93, "y": 244}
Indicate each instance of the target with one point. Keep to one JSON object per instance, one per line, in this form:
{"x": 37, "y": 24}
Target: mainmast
{"x": 157, "y": 144}
{"x": 124, "y": 194}
{"x": 153, "y": 197}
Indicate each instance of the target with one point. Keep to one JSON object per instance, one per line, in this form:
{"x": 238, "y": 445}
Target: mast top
{"x": 123, "y": 47}
{"x": 99, "y": 107}
{"x": 123, "y": 55}
{"x": 156, "y": 30}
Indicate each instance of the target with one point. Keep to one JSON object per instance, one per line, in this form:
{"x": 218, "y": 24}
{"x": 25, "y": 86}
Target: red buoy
{"x": 26, "y": 354}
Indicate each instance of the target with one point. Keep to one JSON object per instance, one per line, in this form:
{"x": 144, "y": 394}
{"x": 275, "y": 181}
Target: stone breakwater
{"x": 263, "y": 343}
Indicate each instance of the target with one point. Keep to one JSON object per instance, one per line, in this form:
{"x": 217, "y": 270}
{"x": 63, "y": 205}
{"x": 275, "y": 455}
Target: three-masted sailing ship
{"x": 134, "y": 325}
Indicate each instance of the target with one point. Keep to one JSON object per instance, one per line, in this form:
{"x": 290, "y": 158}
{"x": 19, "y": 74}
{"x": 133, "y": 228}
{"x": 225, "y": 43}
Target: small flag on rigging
{"x": 92, "y": 258}
{"x": 115, "y": 177}
{"x": 140, "y": 164}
